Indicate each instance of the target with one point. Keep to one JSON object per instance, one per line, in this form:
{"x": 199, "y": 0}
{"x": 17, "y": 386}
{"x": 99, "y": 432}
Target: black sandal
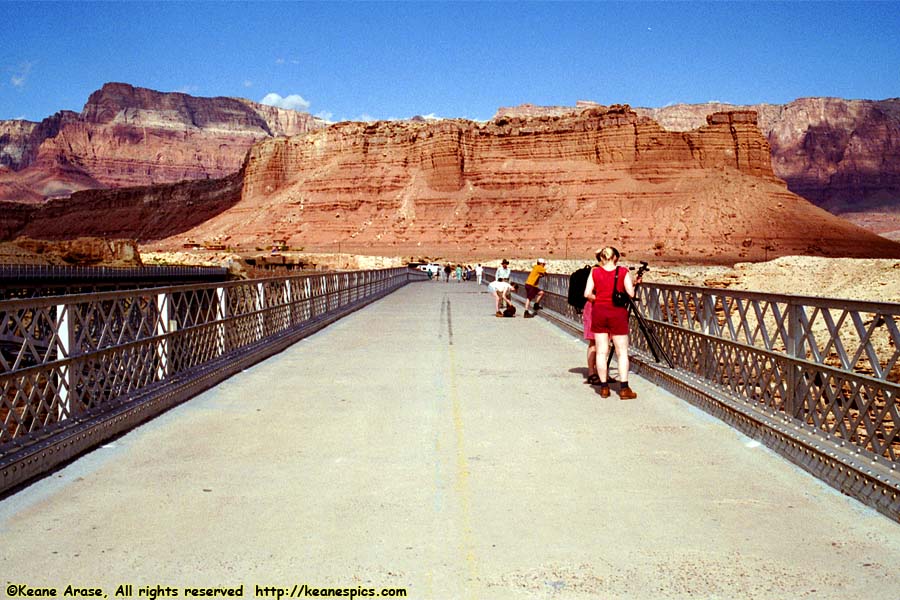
{"x": 593, "y": 379}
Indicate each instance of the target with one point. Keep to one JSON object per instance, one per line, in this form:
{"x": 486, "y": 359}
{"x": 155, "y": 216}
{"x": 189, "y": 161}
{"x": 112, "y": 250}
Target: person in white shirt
{"x": 479, "y": 270}
{"x": 502, "y": 291}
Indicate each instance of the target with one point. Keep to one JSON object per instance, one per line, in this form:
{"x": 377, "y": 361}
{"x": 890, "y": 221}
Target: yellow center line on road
{"x": 461, "y": 486}
{"x": 462, "y": 480}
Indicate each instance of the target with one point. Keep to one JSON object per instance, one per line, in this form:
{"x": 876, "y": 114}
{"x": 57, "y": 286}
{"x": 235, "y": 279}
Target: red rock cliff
{"x": 525, "y": 186}
{"x": 843, "y": 155}
{"x": 128, "y": 136}
{"x": 515, "y": 186}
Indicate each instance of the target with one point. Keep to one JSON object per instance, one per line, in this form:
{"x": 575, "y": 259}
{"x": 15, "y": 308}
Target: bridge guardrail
{"x": 817, "y": 379}
{"x": 75, "y": 370}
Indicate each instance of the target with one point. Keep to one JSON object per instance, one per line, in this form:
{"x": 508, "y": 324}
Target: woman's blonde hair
{"x": 607, "y": 254}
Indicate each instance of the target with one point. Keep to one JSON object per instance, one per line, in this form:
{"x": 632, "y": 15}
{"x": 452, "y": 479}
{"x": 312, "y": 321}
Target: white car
{"x": 432, "y": 268}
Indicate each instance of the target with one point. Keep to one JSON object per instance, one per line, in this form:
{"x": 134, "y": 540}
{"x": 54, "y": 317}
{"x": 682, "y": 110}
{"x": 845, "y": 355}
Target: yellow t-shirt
{"x": 537, "y": 272}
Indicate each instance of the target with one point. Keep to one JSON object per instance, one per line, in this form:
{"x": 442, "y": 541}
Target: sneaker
{"x": 498, "y": 314}
{"x": 528, "y": 315}
{"x": 603, "y": 390}
{"x": 627, "y": 394}
{"x": 536, "y": 307}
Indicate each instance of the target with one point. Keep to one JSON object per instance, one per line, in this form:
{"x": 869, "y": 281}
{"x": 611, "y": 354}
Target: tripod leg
{"x": 656, "y": 347}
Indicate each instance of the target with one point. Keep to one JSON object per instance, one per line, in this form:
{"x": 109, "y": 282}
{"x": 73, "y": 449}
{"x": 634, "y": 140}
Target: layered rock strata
{"x": 842, "y": 155}
{"x": 521, "y": 186}
{"x": 515, "y": 186}
{"x": 128, "y": 136}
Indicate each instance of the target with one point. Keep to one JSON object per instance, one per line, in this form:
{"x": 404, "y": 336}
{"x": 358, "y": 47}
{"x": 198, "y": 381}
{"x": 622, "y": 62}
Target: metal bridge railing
{"x": 31, "y": 281}
{"x": 819, "y": 377}
{"x": 77, "y": 369}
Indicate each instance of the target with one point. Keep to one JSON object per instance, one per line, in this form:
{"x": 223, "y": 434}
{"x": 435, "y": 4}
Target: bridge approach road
{"x": 422, "y": 443}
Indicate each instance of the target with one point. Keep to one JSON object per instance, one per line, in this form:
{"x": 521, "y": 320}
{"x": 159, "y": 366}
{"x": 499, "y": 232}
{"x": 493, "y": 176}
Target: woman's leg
{"x": 592, "y": 357}
{"x": 601, "y": 343}
{"x": 620, "y": 342}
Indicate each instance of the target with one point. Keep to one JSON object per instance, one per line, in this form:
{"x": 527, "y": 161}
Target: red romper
{"x": 605, "y": 316}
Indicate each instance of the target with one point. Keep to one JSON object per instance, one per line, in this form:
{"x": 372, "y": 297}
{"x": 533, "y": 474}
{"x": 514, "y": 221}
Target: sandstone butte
{"x": 842, "y": 155}
{"x": 554, "y": 186}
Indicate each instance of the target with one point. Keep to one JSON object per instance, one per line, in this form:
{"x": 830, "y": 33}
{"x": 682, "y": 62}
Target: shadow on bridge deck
{"x": 424, "y": 444}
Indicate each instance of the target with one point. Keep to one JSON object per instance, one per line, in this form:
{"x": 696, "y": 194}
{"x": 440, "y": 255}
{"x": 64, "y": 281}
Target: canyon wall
{"x": 517, "y": 186}
{"x": 842, "y": 155}
{"x": 129, "y": 136}
{"x": 526, "y": 186}
{"x": 138, "y": 213}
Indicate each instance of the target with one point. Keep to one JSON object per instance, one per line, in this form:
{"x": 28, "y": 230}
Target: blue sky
{"x": 462, "y": 59}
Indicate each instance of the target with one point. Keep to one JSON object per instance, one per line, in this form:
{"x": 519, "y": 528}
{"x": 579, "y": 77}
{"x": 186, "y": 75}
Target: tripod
{"x": 653, "y": 342}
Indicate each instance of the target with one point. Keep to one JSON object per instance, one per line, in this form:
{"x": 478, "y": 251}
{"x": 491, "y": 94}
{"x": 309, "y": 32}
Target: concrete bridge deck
{"x": 423, "y": 444}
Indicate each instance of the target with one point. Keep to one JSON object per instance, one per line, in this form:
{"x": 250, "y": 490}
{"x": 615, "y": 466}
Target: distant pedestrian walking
{"x": 479, "y": 271}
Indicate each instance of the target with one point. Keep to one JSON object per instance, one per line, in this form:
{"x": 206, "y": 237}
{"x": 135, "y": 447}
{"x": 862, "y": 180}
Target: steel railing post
{"x": 307, "y": 287}
{"x": 221, "y": 315}
{"x": 260, "y": 306}
{"x": 162, "y": 328}
{"x": 709, "y": 328}
{"x": 794, "y": 350}
{"x": 289, "y": 316}
{"x": 65, "y": 339}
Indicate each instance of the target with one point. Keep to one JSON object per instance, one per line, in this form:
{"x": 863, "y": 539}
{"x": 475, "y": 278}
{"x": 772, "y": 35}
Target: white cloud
{"x": 248, "y": 83}
{"x": 325, "y": 116}
{"x": 292, "y": 102}
{"x": 20, "y": 74}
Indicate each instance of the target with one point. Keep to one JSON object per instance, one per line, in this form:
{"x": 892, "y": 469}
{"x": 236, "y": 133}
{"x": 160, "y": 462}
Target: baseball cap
{"x": 542, "y": 261}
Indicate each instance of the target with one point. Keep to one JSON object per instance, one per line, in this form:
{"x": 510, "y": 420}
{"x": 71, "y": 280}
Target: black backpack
{"x": 577, "y": 283}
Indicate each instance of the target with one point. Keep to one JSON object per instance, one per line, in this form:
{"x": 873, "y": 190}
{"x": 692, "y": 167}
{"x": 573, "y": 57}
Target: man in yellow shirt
{"x": 533, "y": 293}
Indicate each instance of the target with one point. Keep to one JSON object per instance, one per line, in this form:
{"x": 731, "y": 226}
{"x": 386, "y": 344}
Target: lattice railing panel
{"x": 831, "y": 364}
{"x": 106, "y": 376}
{"x": 31, "y": 401}
{"x": 64, "y": 356}
{"x": 194, "y": 307}
{"x": 861, "y": 341}
{"x": 104, "y": 323}
{"x": 29, "y": 335}
{"x": 194, "y": 347}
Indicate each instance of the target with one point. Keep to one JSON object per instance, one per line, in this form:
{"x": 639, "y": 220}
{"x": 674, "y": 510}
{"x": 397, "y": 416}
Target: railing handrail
{"x": 42, "y": 301}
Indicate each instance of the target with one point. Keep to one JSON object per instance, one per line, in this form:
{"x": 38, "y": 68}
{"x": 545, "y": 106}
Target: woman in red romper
{"x": 610, "y": 321}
